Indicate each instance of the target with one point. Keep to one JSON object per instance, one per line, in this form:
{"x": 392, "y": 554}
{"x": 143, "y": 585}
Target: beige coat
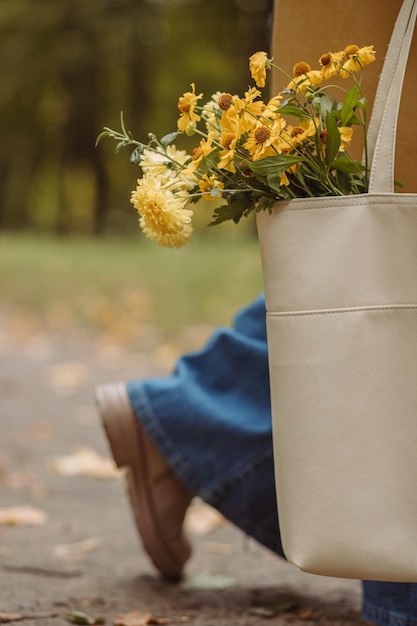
{"x": 303, "y": 30}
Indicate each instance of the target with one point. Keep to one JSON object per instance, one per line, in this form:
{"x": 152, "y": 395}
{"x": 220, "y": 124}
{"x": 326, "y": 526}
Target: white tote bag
{"x": 340, "y": 278}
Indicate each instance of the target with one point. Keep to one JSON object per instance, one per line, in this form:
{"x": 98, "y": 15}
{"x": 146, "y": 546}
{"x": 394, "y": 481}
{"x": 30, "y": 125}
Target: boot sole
{"x": 129, "y": 450}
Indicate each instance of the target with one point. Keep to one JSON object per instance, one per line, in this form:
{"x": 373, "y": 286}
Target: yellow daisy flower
{"x": 162, "y": 212}
{"x": 227, "y": 155}
{"x": 330, "y": 63}
{"x": 243, "y": 112}
{"x": 225, "y": 101}
{"x": 258, "y": 64}
{"x": 211, "y": 187}
{"x": 346, "y": 133}
{"x": 301, "y": 68}
{"x": 315, "y": 77}
{"x": 271, "y": 108}
{"x": 357, "y": 58}
{"x": 262, "y": 137}
{"x": 199, "y": 153}
{"x": 296, "y": 135}
{"x": 284, "y": 180}
{"x": 186, "y": 105}
{"x": 299, "y": 83}
{"x": 303, "y": 82}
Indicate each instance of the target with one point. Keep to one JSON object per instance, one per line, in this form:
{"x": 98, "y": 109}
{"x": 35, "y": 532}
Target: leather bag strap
{"x": 383, "y": 126}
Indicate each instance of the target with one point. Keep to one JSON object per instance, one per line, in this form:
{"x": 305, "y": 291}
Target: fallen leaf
{"x": 261, "y": 611}
{"x": 68, "y": 550}
{"x": 20, "y": 480}
{"x": 41, "y": 430}
{"x": 10, "y": 617}
{"x": 17, "y": 617}
{"x": 86, "y": 462}
{"x": 305, "y": 613}
{"x": 224, "y": 549}
{"x": 138, "y": 618}
{"x": 78, "y": 617}
{"x": 67, "y": 376}
{"x": 22, "y": 516}
{"x": 202, "y": 519}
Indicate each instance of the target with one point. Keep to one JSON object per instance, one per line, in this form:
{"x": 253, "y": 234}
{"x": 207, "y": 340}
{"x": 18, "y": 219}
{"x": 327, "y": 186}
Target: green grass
{"x": 127, "y": 286}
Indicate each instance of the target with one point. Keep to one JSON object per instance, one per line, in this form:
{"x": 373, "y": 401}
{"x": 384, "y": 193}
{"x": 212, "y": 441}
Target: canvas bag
{"x": 340, "y": 279}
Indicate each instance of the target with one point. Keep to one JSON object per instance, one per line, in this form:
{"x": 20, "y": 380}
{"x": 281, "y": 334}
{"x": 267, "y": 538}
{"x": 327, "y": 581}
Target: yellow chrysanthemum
{"x": 262, "y": 137}
{"x": 211, "y": 187}
{"x": 330, "y": 63}
{"x": 167, "y": 240}
{"x": 186, "y": 105}
{"x": 163, "y": 215}
{"x": 258, "y": 64}
{"x": 357, "y": 58}
{"x": 166, "y": 165}
{"x": 346, "y": 133}
{"x": 161, "y": 164}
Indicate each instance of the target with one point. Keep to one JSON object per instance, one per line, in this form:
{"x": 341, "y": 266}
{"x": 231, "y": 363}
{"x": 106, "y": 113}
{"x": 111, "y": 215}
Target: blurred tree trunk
{"x": 70, "y": 67}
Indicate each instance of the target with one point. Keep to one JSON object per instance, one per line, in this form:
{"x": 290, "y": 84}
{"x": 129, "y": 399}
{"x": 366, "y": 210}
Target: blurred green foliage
{"x": 69, "y": 67}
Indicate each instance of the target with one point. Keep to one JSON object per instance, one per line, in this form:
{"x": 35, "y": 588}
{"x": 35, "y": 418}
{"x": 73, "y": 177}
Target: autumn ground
{"x": 68, "y": 548}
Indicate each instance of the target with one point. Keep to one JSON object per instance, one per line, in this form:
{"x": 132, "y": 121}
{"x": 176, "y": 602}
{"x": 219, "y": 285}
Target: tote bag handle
{"x": 383, "y": 126}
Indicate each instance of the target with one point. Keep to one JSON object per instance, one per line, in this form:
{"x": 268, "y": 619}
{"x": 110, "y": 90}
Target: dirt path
{"x": 74, "y": 547}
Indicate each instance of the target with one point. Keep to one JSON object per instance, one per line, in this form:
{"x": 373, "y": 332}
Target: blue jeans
{"x": 212, "y": 420}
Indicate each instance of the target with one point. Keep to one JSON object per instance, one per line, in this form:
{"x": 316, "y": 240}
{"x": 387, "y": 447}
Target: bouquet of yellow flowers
{"x": 252, "y": 154}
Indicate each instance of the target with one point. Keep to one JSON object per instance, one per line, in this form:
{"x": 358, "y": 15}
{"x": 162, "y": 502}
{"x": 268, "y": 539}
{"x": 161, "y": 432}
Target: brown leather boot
{"x": 158, "y": 497}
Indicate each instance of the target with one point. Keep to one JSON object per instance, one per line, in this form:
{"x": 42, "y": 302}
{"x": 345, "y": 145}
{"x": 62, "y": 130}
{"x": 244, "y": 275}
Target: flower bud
{"x": 190, "y": 130}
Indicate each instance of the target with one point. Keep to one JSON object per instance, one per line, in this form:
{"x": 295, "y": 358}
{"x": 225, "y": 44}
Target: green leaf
{"x": 102, "y": 136}
{"x": 345, "y": 164}
{"x": 274, "y": 181}
{"x": 239, "y": 204}
{"x": 265, "y": 203}
{"x": 349, "y": 105}
{"x": 274, "y": 165}
{"x": 362, "y": 103}
{"x": 322, "y": 104}
{"x": 167, "y": 139}
{"x": 136, "y": 155}
{"x": 332, "y": 139}
{"x": 120, "y": 145}
{"x": 290, "y": 109}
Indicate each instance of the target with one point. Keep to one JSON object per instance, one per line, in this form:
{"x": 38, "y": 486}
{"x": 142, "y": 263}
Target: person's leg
{"x": 212, "y": 421}
{"x": 205, "y": 430}
{"x": 390, "y": 604}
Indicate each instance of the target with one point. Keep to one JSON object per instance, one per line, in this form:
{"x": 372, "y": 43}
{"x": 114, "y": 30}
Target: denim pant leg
{"x": 390, "y": 604}
{"x": 212, "y": 421}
